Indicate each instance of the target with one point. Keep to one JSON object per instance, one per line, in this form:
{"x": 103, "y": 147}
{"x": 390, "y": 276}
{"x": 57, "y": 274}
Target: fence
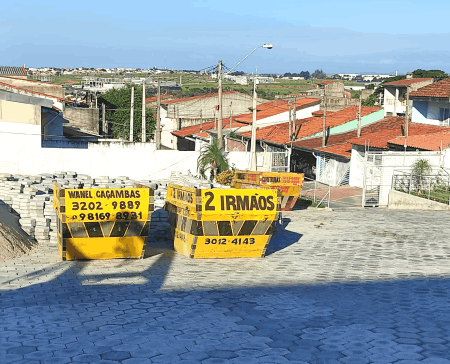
{"x": 432, "y": 187}
{"x": 279, "y": 162}
{"x": 316, "y": 191}
{"x": 379, "y": 167}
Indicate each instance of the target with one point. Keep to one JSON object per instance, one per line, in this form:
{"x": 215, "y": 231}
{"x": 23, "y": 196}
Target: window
{"x": 444, "y": 116}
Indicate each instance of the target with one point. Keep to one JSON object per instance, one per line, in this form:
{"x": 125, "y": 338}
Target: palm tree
{"x": 211, "y": 157}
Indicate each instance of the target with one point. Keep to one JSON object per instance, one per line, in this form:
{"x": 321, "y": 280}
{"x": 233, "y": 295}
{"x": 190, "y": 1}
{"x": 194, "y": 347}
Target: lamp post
{"x": 219, "y": 76}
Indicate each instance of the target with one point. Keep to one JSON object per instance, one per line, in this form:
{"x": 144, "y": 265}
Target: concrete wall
{"x": 46, "y": 88}
{"x": 17, "y": 112}
{"x": 84, "y": 118}
{"x": 329, "y": 170}
{"x": 403, "y": 201}
{"x": 21, "y": 153}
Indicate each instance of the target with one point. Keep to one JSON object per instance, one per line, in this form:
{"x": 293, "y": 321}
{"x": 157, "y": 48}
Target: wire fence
{"x": 432, "y": 187}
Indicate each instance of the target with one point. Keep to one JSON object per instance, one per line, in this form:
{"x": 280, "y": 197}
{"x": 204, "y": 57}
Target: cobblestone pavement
{"x": 350, "y": 286}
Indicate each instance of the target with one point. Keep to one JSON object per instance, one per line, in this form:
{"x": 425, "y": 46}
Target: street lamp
{"x": 219, "y": 121}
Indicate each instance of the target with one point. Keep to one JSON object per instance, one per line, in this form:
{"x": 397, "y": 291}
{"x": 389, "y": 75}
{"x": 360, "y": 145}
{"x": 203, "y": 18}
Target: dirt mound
{"x": 14, "y": 242}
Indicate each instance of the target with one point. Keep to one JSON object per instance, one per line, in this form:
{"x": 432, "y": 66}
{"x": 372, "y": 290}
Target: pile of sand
{"x": 14, "y": 242}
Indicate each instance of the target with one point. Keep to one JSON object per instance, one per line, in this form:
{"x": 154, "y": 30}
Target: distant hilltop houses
{"x": 243, "y": 79}
{"x": 359, "y": 78}
{"x": 92, "y": 71}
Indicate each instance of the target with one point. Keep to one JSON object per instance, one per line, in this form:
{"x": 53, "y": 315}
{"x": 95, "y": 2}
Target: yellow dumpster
{"x": 290, "y": 184}
{"x": 221, "y": 223}
{"x": 104, "y": 223}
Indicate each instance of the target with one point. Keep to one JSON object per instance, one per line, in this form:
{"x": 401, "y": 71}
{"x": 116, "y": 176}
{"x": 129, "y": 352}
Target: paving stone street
{"x": 345, "y": 286}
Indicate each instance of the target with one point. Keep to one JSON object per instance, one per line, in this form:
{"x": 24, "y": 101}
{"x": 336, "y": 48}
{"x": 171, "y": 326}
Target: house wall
{"x": 17, "y": 112}
{"x": 357, "y": 167}
{"x": 46, "y": 88}
{"x": 427, "y": 112}
{"x": 235, "y": 145}
{"x": 86, "y": 119}
{"x": 390, "y": 105}
{"x": 330, "y": 170}
{"x": 400, "y": 106}
{"x": 235, "y": 103}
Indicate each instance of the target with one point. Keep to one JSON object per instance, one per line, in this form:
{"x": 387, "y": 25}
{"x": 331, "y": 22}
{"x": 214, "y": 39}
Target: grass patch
{"x": 307, "y": 202}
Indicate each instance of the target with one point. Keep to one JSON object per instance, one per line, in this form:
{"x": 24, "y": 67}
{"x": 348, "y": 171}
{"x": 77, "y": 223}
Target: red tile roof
{"x": 408, "y": 82}
{"x": 203, "y": 134}
{"x": 35, "y": 92}
{"x": 193, "y": 129}
{"x": 264, "y": 111}
{"x": 150, "y": 99}
{"x": 425, "y": 142}
{"x": 314, "y": 125}
{"x": 319, "y": 113}
{"x": 276, "y": 107}
{"x": 437, "y": 89}
{"x": 325, "y": 82}
{"x": 390, "y": 122}
{"x": 380, "y": 139}
{"x": 280, "y": 133}
{"x": 344, "y": 149}
{"x": 184, "y": 99}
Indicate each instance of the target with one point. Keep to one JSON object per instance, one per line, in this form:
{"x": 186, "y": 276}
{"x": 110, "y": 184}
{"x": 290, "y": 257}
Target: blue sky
{"x": 336, "y": 36}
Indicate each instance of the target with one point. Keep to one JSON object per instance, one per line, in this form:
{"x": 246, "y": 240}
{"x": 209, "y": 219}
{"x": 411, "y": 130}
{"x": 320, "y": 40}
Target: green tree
{"x": 118, "y": 104}
{"x": 421, "y": 169}
{"x": 211, "y": 158}
{"x": 436, "y": 74}
{"x": 370, "y": 101}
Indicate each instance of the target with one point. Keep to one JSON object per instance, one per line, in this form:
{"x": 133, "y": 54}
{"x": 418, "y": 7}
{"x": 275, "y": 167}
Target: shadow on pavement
{"x": 282, "y": 238}
{"x": 356, "y": 322}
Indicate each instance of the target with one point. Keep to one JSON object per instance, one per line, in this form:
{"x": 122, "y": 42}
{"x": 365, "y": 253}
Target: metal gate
{"x": 372, "y": 180}
{"x": 279, "y": 161}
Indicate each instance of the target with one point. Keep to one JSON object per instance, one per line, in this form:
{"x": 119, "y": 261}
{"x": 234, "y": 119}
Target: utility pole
{"x": 219, "y": 121}
{"x": 294, "y": 119}
{"x": 324, "y": 137}
{"x": 231, "y": 113}
{"x": 253, "y": 141}
{"x": 131, "y": 114}
{"x": 105, "y": 131}
{"x": 358, "y": 133}
{"x": 201, "y": 120}
{"x": 144, "y": 131}
{"x": 158, "y": 118}
{"x": 407, "y": 112}
{"x": 290, "y": 121}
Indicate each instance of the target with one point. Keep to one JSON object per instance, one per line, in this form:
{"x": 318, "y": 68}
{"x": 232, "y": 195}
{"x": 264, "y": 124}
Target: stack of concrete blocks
{"x": 31, "y": 197}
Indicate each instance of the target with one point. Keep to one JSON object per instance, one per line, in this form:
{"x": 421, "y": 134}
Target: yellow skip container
{"x": 290, "y": 184}
{"x": 104, "y": 223}
{"x": 221, "y": 223}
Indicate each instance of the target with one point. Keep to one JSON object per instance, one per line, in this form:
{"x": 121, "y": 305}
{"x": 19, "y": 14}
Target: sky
{"x": 346, "y": 36}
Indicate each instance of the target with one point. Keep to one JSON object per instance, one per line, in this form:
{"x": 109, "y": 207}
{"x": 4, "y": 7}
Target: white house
{"x": 431, "y": 104}
{"x": 395, "y": 94}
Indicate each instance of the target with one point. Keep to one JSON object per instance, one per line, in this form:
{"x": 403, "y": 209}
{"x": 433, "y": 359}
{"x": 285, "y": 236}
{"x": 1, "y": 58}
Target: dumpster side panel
{"x": 104, "y": 248}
